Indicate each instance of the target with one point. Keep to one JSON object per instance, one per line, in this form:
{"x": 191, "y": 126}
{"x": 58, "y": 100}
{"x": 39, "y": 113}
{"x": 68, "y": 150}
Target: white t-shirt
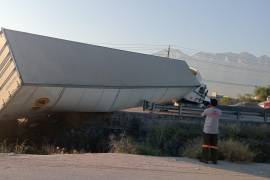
{"x": 211, "y": 121}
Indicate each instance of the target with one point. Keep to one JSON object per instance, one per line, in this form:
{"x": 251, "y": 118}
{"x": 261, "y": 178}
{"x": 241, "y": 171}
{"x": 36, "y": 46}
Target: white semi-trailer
{"x": 42, "y": 74}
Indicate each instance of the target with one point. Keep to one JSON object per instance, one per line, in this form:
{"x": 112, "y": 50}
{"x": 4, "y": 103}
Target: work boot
{"x": 214, "y": 156}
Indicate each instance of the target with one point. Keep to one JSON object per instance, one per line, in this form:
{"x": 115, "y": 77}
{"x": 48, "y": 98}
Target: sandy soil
{"x": 121, "y": 167}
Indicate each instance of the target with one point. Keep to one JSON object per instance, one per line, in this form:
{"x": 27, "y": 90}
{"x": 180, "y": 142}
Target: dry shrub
{"x": 193, "y": 148}
{"x": 144, "y": 149}
{"x": 235, "y": 151}
{"x": 20, "y": 148}
{"x": 169, "y": 138}
{"x": 4, "y": 147}
{"x": 47, "y": 148}
{"x": 230, "y": 150}
{"x": 123, "y": 145}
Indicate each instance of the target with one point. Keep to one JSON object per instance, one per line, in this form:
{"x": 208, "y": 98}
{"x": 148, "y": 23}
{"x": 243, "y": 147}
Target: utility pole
{"x": 169, "y": 51}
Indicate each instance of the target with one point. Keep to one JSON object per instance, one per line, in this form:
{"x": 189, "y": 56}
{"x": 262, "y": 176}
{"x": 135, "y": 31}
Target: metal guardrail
{"x": 230, "y": 113}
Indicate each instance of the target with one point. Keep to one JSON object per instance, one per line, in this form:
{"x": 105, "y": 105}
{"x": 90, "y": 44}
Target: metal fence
{"x": 229, "y": 113}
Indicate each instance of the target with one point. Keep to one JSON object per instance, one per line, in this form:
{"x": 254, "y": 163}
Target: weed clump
{"x": 231, "y": 150}
{"x": 123, "y": 145}
{"x": 235, "y": 151}
{"x": 193, "y": 148}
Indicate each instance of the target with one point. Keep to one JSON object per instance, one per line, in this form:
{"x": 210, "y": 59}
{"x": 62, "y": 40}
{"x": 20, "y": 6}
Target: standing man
{"x": 210, "y": 132}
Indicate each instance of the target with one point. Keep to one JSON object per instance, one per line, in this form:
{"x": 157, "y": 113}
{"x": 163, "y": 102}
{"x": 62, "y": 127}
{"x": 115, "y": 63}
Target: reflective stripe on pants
{"x": 209, "y": 146}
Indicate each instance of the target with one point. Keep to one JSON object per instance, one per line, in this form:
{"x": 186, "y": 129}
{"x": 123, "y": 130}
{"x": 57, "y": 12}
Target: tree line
{"x": 260, "y": 94}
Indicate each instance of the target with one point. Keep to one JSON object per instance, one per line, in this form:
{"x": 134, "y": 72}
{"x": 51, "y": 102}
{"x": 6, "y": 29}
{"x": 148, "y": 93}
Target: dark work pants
{"x": 209, "y": 147}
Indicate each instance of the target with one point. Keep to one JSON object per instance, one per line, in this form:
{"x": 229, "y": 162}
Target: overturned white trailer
{"x": 44, "y": 74}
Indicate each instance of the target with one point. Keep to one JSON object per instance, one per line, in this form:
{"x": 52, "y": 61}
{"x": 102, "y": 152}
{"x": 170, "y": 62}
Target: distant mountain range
{"x": 229, "y": 74}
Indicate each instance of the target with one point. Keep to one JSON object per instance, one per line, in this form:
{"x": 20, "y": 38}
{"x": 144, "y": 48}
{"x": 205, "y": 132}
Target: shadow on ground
{"x": 256, "y": 169}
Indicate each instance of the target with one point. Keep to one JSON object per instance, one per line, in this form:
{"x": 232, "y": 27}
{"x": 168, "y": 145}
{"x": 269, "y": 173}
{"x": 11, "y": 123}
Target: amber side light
{"x": 41, "y": 102}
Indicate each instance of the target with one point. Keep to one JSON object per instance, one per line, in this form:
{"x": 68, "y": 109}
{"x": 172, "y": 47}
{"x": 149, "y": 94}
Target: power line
{"x": 169, "y": 53}
{"x": 142, "y": 46}
{"x": 179, "y": 46}
{"x": 133, "y": 44}
{"x": 230, "y": 66}
{"x": 231, "y": 83}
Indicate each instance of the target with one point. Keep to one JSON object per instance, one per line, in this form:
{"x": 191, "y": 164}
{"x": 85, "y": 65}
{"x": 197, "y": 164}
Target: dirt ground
{"x": 122, "y": 167}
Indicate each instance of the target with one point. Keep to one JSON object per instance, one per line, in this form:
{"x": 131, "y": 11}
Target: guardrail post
{"x": 180, "y": 109}
{"x": 265, "y": 116}
{"x": 144, "y": 105}
{"x": 237, "y": 115}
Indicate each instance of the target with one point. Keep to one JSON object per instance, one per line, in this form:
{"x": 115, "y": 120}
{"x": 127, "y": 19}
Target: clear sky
{"x": 147, "y": 25}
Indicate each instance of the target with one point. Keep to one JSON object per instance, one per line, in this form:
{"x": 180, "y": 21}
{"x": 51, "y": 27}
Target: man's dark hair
{"x": 214, "y": 102}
